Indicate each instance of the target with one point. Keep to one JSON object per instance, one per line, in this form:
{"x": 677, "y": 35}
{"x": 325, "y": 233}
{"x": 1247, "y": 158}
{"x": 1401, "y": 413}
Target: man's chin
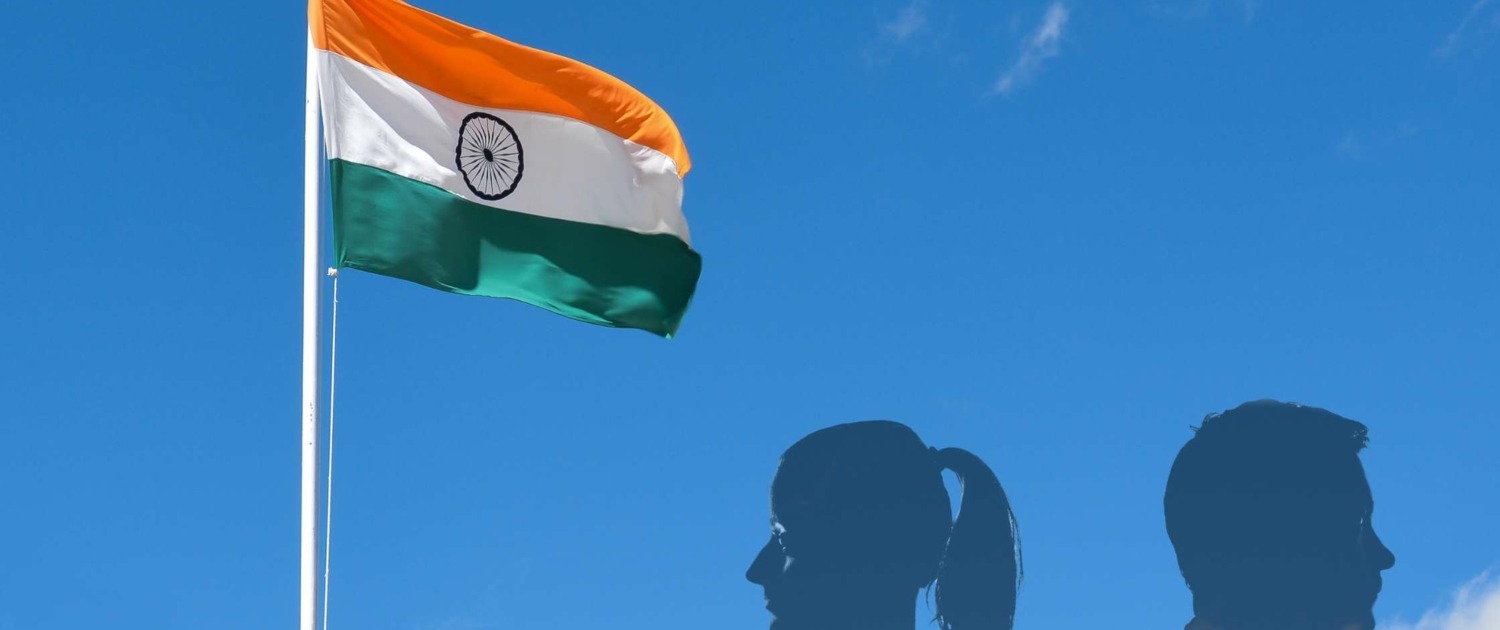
{"x": 1364, "y": 621}
{"x": 777, "y": 623}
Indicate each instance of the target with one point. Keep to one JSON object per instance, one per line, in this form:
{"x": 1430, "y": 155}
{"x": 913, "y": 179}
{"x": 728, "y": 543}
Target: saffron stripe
{"x": 475, "y": 67}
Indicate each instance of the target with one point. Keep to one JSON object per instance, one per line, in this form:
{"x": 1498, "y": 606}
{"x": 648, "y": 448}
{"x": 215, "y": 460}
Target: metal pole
{"x": 311, "y": 305}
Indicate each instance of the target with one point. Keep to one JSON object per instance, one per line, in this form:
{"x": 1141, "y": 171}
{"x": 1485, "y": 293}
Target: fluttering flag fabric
{"x": 475, "y": 165}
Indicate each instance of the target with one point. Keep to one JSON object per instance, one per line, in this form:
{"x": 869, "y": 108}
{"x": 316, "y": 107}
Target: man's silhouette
{"x": 1269, "y": 511}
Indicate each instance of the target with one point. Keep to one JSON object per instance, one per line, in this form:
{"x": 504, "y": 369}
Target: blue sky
{"x": 1055, "y": 234}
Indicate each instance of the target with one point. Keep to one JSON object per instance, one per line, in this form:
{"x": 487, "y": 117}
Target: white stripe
{"x": 571, "y": 170}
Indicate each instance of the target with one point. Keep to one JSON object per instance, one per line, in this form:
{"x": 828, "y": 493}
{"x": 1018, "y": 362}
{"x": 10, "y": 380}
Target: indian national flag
{"x": 475, "y": 165}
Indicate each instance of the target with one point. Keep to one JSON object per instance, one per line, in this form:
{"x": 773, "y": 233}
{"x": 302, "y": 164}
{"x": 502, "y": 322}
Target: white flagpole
{"x": 311, "y": 305}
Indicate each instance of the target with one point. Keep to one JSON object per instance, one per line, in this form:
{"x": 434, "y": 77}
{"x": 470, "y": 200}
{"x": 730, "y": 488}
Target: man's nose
{"x": 767, "y": 564}
{"x": 1380, "y": 555}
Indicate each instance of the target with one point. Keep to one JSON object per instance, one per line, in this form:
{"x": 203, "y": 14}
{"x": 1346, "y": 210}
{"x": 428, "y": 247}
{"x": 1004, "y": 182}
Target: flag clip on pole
{"x": 311, "y": 305}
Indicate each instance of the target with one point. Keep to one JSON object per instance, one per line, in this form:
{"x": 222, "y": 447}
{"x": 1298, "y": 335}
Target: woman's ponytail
{"x": 980, "y": 573}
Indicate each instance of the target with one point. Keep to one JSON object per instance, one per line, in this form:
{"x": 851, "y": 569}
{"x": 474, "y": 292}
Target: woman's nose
{"x": 767, "y": 564}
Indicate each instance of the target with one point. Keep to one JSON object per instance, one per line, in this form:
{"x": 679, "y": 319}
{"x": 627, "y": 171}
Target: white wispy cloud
{"x": 1474, "y": 606}
{"x": 907, "y": 32}
{"x": 1043, "y": 44}
{"x": 1481, "y": 19}
{"x": 910, "y": 21}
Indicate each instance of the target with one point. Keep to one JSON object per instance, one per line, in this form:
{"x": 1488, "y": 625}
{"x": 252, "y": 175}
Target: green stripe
{"x": 393, "y": 226}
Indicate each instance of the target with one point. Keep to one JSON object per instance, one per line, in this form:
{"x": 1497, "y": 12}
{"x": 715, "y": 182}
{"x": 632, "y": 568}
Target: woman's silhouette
{"x": 861, "y": 522}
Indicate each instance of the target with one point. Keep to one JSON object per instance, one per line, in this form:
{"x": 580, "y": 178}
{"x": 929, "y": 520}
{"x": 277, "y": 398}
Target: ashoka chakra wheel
{"x": 489, "y": 156}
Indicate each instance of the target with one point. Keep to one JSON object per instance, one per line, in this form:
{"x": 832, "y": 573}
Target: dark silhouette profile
{"x": 1269, "y": 510}
{"x": 861, "y": 522}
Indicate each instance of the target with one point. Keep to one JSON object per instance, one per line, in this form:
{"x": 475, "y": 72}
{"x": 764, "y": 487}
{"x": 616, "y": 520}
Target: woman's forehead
{"x": 792, "y": 502}
{"x": 799, "y": 488}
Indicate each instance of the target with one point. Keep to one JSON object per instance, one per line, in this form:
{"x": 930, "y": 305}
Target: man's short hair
{"x": 1244, "y": 487}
